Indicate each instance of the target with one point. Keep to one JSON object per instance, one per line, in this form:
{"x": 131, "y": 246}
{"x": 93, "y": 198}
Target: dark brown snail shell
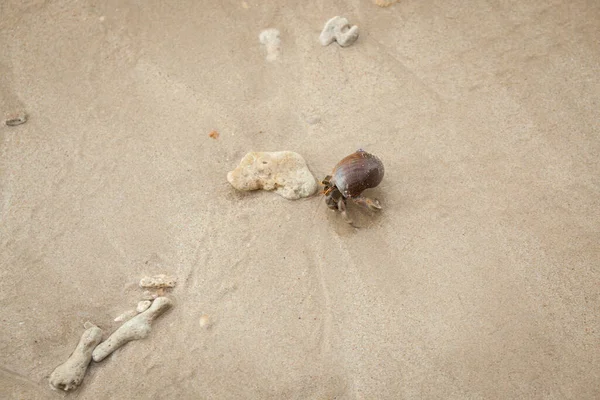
{"x": 357, "y": 172}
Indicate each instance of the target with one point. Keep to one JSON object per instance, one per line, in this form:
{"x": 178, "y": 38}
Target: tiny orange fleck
{"x": 214, "y": 134}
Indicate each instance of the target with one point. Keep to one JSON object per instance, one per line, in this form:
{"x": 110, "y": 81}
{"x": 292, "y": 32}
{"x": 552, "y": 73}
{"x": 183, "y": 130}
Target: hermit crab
{"x": 350, "y": 177}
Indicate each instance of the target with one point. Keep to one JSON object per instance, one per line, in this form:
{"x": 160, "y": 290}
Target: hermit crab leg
{"x": 341, "y": 204}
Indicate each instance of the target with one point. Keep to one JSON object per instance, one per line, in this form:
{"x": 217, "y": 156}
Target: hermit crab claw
{"x": 371, "y": 204}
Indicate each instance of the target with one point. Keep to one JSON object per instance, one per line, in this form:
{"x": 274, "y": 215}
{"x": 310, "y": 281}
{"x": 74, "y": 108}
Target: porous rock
{"x": 136, "y": 328}
{"x": 69, "y": 375}
{"x": 284, "y": 172}
{"x": 158, "y": 281}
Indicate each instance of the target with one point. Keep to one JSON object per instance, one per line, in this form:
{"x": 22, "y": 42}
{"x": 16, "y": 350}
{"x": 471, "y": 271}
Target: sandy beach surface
{"x": 479, "y": 279}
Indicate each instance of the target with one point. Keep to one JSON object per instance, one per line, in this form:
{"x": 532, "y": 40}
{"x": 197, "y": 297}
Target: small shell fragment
{"x": 270, "y": 39}
{"x": 337, "y": 29}
{"x": 205, "y": 321}
{"x": 15, "y": 119}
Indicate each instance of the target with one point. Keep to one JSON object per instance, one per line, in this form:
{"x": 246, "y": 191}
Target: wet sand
{"x": 479, "y": 279}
